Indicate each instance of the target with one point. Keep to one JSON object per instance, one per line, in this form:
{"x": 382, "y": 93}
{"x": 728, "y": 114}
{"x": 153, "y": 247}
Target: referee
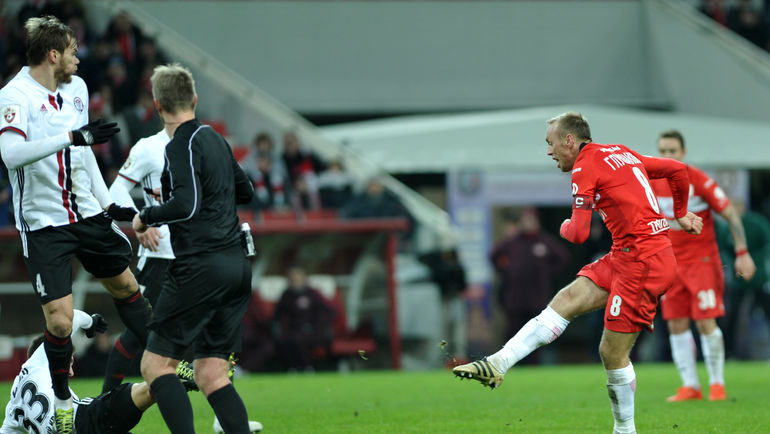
{"x": 208, "y": 285}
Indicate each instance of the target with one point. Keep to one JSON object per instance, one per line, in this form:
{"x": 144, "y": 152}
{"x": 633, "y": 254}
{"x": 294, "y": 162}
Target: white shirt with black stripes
{"x": 54, "y": 184}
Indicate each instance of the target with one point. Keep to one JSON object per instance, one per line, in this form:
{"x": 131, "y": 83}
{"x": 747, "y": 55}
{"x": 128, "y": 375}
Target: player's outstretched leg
{"x": 683, "y": 353}
{"x": 540, "y": 330}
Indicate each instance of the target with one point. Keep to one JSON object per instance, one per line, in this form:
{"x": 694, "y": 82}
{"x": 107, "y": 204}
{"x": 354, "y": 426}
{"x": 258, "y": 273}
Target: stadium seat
{"x": 346, "y": 343}
{"x": 269, "y": 215}
{"x": 319, "y": 214}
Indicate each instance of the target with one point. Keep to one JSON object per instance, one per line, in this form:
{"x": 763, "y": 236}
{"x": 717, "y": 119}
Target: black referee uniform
{"x": 208, "y": 285}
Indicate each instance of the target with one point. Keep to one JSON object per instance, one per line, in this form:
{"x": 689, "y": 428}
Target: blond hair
{"x": 572, "y": 123}
{"x": 173, "y": 87}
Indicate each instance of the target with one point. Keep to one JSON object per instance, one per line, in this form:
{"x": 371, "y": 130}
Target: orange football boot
{"x": 685, "y": 393}
{"x": 717, "y": 392}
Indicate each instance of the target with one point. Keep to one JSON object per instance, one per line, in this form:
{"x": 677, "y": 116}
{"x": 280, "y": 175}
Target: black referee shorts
{"x": 112, "y": 412}
{"x": 151, "y": 276}
{"x": 102, "y": 248}
{"x": 202, "y": 305}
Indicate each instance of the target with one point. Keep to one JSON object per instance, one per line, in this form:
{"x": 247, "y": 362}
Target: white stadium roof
{"x": 515, "y": 139}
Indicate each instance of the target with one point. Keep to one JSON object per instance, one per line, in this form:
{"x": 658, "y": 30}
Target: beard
{"x": 62, "y": 76}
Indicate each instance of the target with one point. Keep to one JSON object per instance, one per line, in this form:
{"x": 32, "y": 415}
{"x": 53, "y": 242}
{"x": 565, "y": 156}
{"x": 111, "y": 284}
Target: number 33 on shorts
{"x": 615, "y": 305}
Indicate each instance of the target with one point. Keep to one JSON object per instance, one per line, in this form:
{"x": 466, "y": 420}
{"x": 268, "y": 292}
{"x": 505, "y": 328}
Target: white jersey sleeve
{"x": 144, "y": 167}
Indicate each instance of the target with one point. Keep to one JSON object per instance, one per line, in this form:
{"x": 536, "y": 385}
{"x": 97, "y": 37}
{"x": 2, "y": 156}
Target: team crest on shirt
{"x": 11, "y": 114}
{"x": 43, "y": 109}
{"x": 78, "y": 104}
{"x": 129, "y": 162}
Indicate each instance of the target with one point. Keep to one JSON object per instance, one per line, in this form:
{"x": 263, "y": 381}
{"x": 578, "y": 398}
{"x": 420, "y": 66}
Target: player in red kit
{"x": 613, "y": 180}
{"x": 699, "y": 287}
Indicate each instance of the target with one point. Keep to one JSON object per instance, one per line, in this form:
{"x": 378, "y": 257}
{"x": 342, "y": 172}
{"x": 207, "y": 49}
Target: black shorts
{"x": 151, "y": 277}
{"x": 102, "y": 248}
{"x": 112, "y": 412}
{"x": 202, "y": 305}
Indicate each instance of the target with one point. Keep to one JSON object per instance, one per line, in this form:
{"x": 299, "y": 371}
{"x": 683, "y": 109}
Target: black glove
{"x": 121, "y": 213}
{"x": 99, "y": 325}
{"x": 94, "y": 133}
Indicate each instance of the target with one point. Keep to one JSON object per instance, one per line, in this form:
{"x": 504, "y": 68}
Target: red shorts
{"x": 697, "y": 292}
{"x": 634, "y": 287}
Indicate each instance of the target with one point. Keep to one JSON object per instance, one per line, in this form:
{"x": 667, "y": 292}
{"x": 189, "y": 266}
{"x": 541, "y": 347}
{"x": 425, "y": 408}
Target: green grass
{"x": 566, "y": 398}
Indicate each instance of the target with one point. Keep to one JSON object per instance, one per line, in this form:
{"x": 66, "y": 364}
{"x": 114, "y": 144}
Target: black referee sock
{"x": 173, "y": 403}
{"x": 229, "y": 408}
{"x": 135, "y": 311}
{"x": 59, "y": 353}
{"x": 122, "y": 354}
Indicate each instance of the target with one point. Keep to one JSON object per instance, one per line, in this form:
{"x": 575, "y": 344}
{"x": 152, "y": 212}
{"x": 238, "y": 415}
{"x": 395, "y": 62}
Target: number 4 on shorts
{"x": 39, "y": 287}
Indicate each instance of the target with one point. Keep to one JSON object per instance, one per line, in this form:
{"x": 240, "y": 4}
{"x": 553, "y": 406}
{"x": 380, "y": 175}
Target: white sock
{"x": 621, "y": 386}
{"x": 62, "y": 403}
{"x": 683, "y": 352}
{"x": 540, "y": 330}
{"x": 713, "y": 347}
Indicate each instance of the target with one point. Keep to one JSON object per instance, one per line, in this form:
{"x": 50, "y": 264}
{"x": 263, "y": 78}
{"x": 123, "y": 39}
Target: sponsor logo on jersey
{"x": 10, "y": 113}
{"x": 79, "y": 104}
{"x": 43, "y": 109}
{"x": 577, "y": 169}
{"x": 574, "y": 189}
{"x": 657, "y": 226}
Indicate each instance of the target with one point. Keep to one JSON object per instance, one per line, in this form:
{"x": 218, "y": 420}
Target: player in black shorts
{"x": 208, "y": 285}
{"x": 61, "y": 204}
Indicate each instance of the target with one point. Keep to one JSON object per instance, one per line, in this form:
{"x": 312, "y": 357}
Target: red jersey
{"x": 614, "y": 181}
{"x": 705, "y": 195}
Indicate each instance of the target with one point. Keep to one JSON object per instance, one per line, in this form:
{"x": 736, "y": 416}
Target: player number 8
{"x": 647, "y": 189}
{"x": 615, "y": 306}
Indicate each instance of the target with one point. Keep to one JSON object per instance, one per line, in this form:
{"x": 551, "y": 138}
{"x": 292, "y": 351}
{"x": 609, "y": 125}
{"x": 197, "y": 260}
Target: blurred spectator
{"x": 755, "y": 292}
{"x": 93, "y": 69}
{"x": 376, "y": 202}
{"x": 300, "y": 162}
{"x": 302, "y": 198}
{"x": 127, "y": 36}
{"x": 124, "y": 85}
{"x": 303, "y": 319}
{"x": 748, "y": 22}
{"x": 268, "y": 185}
{"x": 141, "y": 119}
{"x": 526, "y": 263}
{"x": 335, "y": 186}
{"x": 263, "y": 146}
{"x": 94, "y": 361}
{"x": 258, "y": 347}
{"x": 109, "y": 155}
{"x": 715, "y": 10}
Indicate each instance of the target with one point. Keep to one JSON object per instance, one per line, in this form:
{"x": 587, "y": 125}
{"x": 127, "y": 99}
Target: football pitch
{"x": 564, "y": 398}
